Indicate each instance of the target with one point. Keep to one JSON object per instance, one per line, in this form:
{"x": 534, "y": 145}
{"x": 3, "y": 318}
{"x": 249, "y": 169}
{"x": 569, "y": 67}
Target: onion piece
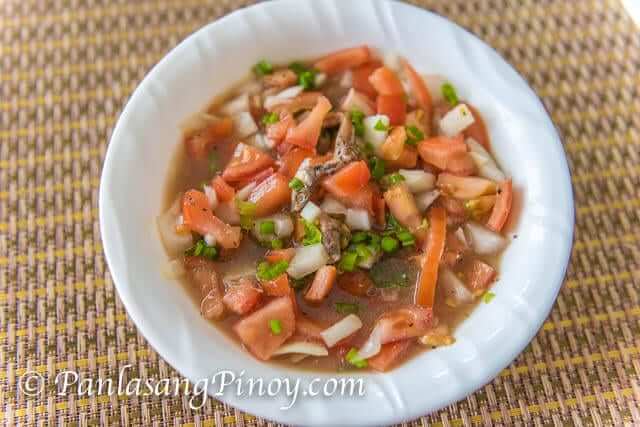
{"x": 456, "y": 292}
{"x": 456, "y": 120}
{"x": 340, "y": 330}
{"x": 434, "y": 83}
{"x": 307, "y": 259}
{"x": 244, "y": 124}
{"x": 310, "y": 212}
{"x": 302, "y": 347}
{"x": 426, "y": 199}
{"x": 372, "y": 135}
{"x": 174, "y": 269}
{"x": 212, "y": 196}
{"x": 417, "y": 180}
{"x": 358, "y": 219}
{"x": 210, "y": 239}
{"x": 459, "y": 233}
{"x": 333, "y": 207}
{"x": 175, "y": 243}
{"x": 283, "y": 225}
{"x": 273, "y": 100}
{"x": 373, "y": 345}
{"x": 482, "y": 240}
{"x": 487, "y": 166}
{"x": 244, "y": 193}
{"x": 357, "y": 101}
{"x": 320, "y": 79}
{"x": 236, "y": 105}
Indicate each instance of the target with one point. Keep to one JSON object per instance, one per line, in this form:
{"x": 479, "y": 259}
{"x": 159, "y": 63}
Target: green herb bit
{"x": 307, "y": 79}
{"x": 354, "y": 359}
{"x": 449, "y": 93}
{"x": 389, "y": 244}
{"x": 368, "y": 149}
{"x": 263, "y": 68}
{"x": 414, "y": 135}
{"x": 381, "y": 126}
{"x": 347, "y": 307}
{"x": 298, "y": 67}
{"x": 357, "y": 119}
{"x": 296, "y": 184}
{"x": 377, "y": 167}
{"x": 246, "y": 208}
{"x": 200, "y": 245}
{"x": 200, "y": 248}
{"x": 277, "y": 244}
{"x": 488, "y": 296}
{"x": 276, "y": 326}
{"x": 312, "y": 234}
{"x": 406, "y": 238}
{"x": 270, "y": 118}
{"x": 268, "y": 271}
{"x": 359, "y": 236}
{"x": 348, "y": 261}
{"x": 214, "y": 165}
{"x": 392, "y": 179}
{"x": 267, "y": 227}
{"x": 363, "y": 251}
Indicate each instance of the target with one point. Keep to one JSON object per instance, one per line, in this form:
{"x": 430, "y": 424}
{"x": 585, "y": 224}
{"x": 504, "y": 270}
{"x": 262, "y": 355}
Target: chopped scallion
{"x": 487, "y": 297}
{"x": 393, "y": 179}
{"x": 267, "y": 227}
{"x": 348, "y": 261}
{"x": 268, "y": 271}
{"x": 357, "y": 119}
{"x": 377, "y": 167}
{"x": 347, "y": 307}
{"x": 263, "y": 68}
{"x": 270, "y": 118}
{"x": 381, "y": 126}
{"x": 277, "y": 244}
{"x": 354, "y": 359}
{"x": 276, "y": 326}
{"x": 414, "y": 135}
{"x": 389, "y": 244}
{"x": 296, "y": 184}
{"x": 449, "y": 93}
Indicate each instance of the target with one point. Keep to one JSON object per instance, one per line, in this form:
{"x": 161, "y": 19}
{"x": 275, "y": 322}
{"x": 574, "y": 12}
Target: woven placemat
{"x": 66, "y": 70}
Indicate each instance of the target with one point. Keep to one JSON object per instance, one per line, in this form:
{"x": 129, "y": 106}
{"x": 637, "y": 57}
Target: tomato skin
{"x": 437, "y": 234}
{"x": 198, "y": 217}
{"x": 502, "y": 208}
{"x": 386, "y": 82}
{"x": 389, "y": 355}
{"x": 439, "y": 150}
{"x": 394, "y": 107}
{"x": 224, "y": 191}
{"x": 360, "y": 78}
{"x": 307, "y": 132}
{"x": 278, "y": 287}
{"x": 271, "y": 195}
{"x": 246, "y": 163}
{"x": 349, "y": 180}
{"x": 478, "y": 130}
{"x": 343, "y": 60}
{"x": 291, "y": 161}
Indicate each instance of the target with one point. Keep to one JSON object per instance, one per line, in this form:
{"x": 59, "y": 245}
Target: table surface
{"x": 68, "y": 66}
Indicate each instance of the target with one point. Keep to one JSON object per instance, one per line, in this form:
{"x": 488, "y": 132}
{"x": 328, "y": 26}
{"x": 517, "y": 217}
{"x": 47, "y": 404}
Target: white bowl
{"x": 212, "y": 59}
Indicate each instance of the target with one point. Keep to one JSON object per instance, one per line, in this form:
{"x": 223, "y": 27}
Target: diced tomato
{"x": 402, "y": 206}
{"x": 393, "y": 106}
{"x": 255, "y": 331}
{"x": 461, "y": 164}
{"x": 389, "y": 355}
{"x": 276, "y": 255}
{"x": 379, "y": 208}
{"x": 278, "y": 131}
{"x": 343, "y": 60}
{"x": 477, "y": 130}
{"x": 393, "y": 146}
{"x": 465, "y": 187}
{"x": 349, "y": 180}
{"x": 479, "y": 275}
{"x": 408, "y": 159}
{"x": 307, "y": 132}
{"x": 257, "y": 178}
{"x": 290, "y": 162}
{"x": 322, "y": 284}
{"x": 198, "y": 216}
{"x": 202, "y": 273}
{"x": 426, "y": 289}
{"x": 247, "y": 161}
{"x": 224, "y": 191}
{"x": 502, "y": 208}
{"x": 270, "y": 195}
{"x": 357, "y": 283}
{"x": 199, "y": 143}
{"x": 304, "y": 101}
{"x": 242, "y": 298}
{"x": 277, "y": 287}
{"x": 438, "y": 151}
{"x": 360, "y": 78}
{"x": 386, "y": 82}
{"x": 420, "y": 89}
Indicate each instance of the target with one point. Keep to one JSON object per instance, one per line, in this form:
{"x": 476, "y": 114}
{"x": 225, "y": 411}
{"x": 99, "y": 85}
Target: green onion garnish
{"x": 487, "y": 297}
{"x": 263, "y": 68}
{"x": 348, "y": 261}
{"x": 213, "y": 162}
{"x": 357, "y": 119}
{"x": 307, "y": 79}
{"x": 377, "y": 167}
{"x": 298, "y": 67}
{"x": 406, "y": 238}
{"x": 200, "y": 248}
{"x": 389, "y": 244}
{"x": 393, "y": 179}
{"x": 363, "y": 251}
{"x": 277, "y": 244}
{"x": 347, "y": 307}
{"x": 267, "y": 227}
{"x": 268, "y": 271}
{"x": 276, "y": 326}
{"x": 381, "y": 126}
{"x": 449, "y": 93}
{"x": 414, "y": 135}
{"x": 270, "y": 118}
{"x": 359, "y": 236}
{"x": 296, "y": 184}
{"x": 354, "y": 359}
{"x": 312, "y": 234}
{"x": 246, "y": 208}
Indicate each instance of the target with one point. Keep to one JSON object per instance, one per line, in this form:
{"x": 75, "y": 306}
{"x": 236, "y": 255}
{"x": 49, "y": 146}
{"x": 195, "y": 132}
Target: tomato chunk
{"x": 389, "y": 356}
{"x": 386, "y": 82}
{"x": 224, "y": 191}
{"x": 290, "y": 162}
{"x": 270, "y": 195}
{"x": 242, "y": 298}
{"x": 198, "y": 216}
{"x": 247, "y": 161}
{"x": 349, "y": 180}
{"x": 343, "y": 60}
{"x": 426, "y": 290}
{"x": 306, "y": 133}
{"x": 419, "y": 88}
{"x": 322, "y": 284}
{"x": 393, "y": 106}
{"x": 278, "y": 287}
{"x": 360, "y": 78}
{"x": 502, "y": 208}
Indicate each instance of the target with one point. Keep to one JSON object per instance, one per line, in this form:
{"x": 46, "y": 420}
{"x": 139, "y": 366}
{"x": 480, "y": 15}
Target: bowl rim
{"x": 469, "y": 387}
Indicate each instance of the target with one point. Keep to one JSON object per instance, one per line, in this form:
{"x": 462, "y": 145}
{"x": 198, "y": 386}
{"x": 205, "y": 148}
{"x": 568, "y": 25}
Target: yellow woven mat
{"x": 66, "y": 70}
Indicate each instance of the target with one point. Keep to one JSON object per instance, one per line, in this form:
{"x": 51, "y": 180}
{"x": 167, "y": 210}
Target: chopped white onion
{"x": 358, "y": 219}
{"x": 357, "y": 101}
{"x": 371, "y": 134}
{"x": 210, "y": 239}
{"x": 426, "y": 199}
{"x": 211, "y": 196}
{"x": 320, "y": 79}
{"x": 244, "y": 124}
{"x": 418, "y": 180}
{"x": 310, "y": 212}
{"x": 236, "y": 105}
{"x": 487, "y": 166}
{"x": 346, "y": 80}
{"x": 307, "y": 260}
{"x": 175, "y": 243}
{"x": 261, "y": 142}
{"x": 244, "y": 193}
{"x": 174, "y": 269}
{"x": 456, "y": 292}
{"x": 340, "y": 330}
{"x": 302, "y": 347}
{"x": 228, "y": 212}
{"x": 459, "y": 233}
{"x": 333, "y": 207}
{"x": 373, "y": 345}
{"x": 434, "y": 83}
{"x": 482, "y": 240}
{"x": 180, "y": 220}
{"x": 456, "y": 120}
{"x": 283, "y": 224}
{"x": 288, "y": 93}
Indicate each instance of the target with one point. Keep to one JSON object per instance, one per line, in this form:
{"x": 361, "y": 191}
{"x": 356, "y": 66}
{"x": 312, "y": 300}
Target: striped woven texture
{"x": 66, "y": 70}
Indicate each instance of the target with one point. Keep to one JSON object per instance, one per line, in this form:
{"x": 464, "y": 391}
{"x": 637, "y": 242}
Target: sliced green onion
{"x": 381, "y": 126}
{"x": 359, "y": 236}
{"x": 277, "y": 244}
{"x": 296, "y": 184}
{"x": 414, "y": 135}
{"x": 246, "y": 208}
{"x": 267, "y": 227}
{"x": 393, "y": 179}
{"x": 298, "y": 67}
{"x": 357, "y": 119}
{"x": 307, "y": 79}
{"x": 213, "y": 162}
{"x": 449, "y": 93}
{"x": 263, "y": 68}
{"x": 389, "y": 244}
{"x": 200, "y": 245}
{"x": 347, "y": 307}
{"x": 348, "y": 261}
{"x": 276, "y": 326}
{"x": 487, "y": 297}
{"x": 268, "y": 271}
{"x": 377, "y": 167}
{"x": 354, "y": 359}
{"x": 270, "y": 118}
{"x": 312, "y": 234}
{"x": 362, "y": 251}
